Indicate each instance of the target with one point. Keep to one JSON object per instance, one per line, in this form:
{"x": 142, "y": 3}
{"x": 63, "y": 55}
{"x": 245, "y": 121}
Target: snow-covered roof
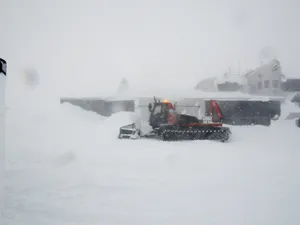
{"x": 203, "y": 85}
{"x": 231, "y": 78}
{"x": 285, "y": 78}
{"x": 176, "y": 94}
{"x": 272, "y": 65}
{"x": 124, "y": 85}
{"x": 126, "y": 93}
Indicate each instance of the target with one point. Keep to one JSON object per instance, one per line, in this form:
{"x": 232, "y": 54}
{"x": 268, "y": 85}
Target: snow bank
{"x": 119, "y": 118}
{"x": 69, "y": 111}
{"x": 43, "y": 131}
{"x": 80, "y": 173}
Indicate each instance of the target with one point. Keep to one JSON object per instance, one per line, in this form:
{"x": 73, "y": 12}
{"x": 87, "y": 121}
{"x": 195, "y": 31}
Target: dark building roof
{"x": 291, "y": 85}
{"x": 229, "y": 86}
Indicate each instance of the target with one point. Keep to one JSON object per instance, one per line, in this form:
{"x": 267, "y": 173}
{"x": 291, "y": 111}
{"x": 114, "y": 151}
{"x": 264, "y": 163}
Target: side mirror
{"x": 3, "y": 67}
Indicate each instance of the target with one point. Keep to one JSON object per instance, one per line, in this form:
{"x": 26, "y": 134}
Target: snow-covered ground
{"x": 67, "y": 167}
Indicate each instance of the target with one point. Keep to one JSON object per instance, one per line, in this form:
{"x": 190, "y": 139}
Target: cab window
{"x": 157, "y": 109}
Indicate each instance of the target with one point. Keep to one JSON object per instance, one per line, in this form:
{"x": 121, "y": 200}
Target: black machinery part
{"x": 298, "y": 122}
{"x": 173, "y": 133}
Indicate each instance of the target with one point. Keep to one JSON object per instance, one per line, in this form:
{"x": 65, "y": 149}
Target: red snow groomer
{"x": 169, "y": 125}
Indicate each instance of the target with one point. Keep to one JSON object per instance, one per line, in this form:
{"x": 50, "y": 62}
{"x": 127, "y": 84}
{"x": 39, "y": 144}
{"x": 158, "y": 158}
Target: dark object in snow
{"x": 229, "y": 86}
{"x": 291, "y": 85}
{"x": 3, "y": 66}
{"x": 244, "y": 112}
{"x": 298, "y": 122}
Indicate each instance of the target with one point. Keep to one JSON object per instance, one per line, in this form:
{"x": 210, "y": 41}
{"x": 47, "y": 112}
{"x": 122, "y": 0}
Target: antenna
{"x": 154, "y": 99}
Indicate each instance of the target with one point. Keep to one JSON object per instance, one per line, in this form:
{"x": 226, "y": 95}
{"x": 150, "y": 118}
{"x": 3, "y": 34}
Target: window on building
{"x": 275, "y": 83}
{"x": 267, "y": 83}
{"x": 259, "y": 85}
{"x": 275, "y": 67}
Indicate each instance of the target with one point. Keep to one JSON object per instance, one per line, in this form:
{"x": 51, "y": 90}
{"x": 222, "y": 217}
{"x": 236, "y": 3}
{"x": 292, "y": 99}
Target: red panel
{"x": 214, "y": 106}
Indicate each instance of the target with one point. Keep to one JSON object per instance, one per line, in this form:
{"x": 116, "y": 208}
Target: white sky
{"x": 86, "y": 46}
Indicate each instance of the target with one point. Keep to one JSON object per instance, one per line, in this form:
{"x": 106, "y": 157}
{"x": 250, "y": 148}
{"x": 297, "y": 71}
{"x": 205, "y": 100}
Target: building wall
{"x": 265, "y": 80}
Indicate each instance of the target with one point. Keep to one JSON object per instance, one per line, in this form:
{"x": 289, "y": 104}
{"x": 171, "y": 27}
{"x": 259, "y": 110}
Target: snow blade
{"x": 3, "y": 67}
{"x": 129, "y": 132}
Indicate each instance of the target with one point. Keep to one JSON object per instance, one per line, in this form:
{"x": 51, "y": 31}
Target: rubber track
{"x": 193, "y": 131}
{"x": 223, "y": 134}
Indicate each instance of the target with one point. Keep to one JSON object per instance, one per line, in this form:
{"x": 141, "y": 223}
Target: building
{"x": 228, "y": 82}
{"x": 290, "y": 84}
{"x": 207, "y": 85}
{"x": 265, "y": 80}
{"x": 233, "y": 105}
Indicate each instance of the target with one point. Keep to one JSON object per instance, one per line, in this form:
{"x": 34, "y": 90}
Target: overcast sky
{"x": 88, "y": 45}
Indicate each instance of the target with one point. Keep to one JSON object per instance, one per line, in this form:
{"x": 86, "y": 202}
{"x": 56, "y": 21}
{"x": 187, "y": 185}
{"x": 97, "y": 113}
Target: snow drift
{"x": 71, "y": 169}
